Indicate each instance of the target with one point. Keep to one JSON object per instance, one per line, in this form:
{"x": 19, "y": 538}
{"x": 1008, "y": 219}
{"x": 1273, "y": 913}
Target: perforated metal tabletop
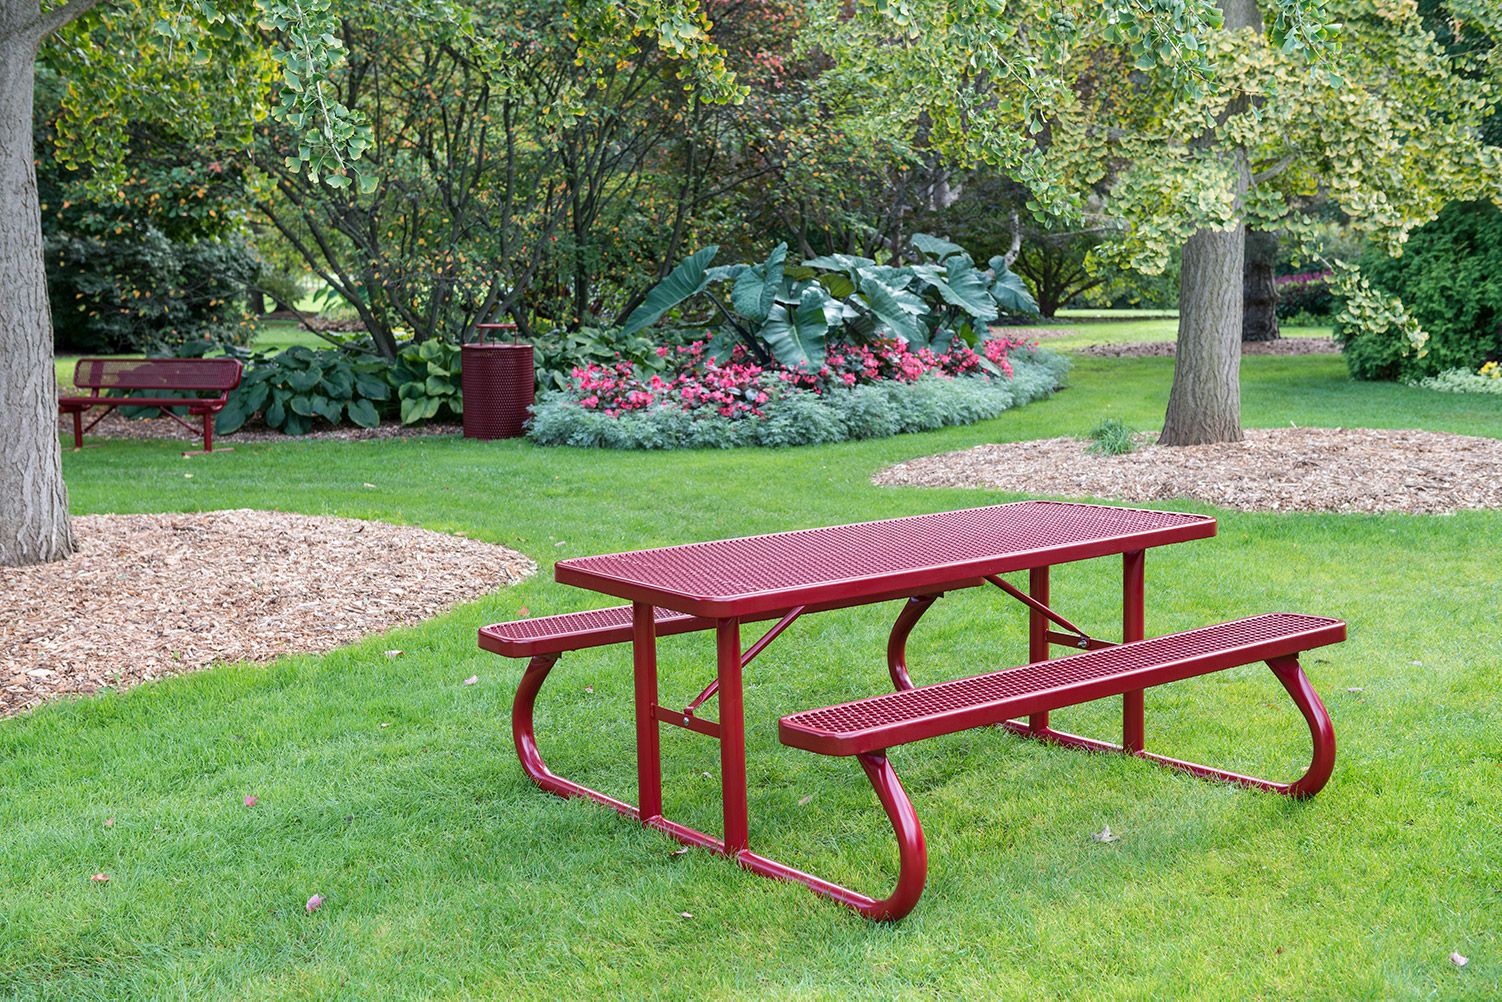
{"x": 849, "y": 564}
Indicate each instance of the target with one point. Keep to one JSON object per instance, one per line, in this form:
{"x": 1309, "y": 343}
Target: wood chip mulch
{"x": 148, "y": 596}
{"x": 1279, "y": 469}
{"x": 1282, "y": 346}
{"x": 116, "y": 425}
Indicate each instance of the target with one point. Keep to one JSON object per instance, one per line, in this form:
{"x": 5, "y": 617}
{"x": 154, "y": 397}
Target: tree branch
{"x": 60, "y": 17}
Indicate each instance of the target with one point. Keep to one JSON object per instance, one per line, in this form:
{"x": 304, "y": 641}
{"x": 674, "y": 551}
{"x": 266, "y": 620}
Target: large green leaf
{"x": 798, "y": 334}
{"x": 1010, "y": 293}
{"x": 688, "y": 279}
{"x": 372, "y": 386}
{"x": 964, "y": 286}
{"x": 936, "y": 247}
{"x": 884, "y": 304}
{"x": 757, "y": 287}
{"x": 362, "y": 413}
{"x": 303, "y": 380}
{"x": 848, "y": 263}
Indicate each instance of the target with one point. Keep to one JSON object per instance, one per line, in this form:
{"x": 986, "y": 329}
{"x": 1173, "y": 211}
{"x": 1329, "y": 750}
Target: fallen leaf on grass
{"x": 1105, "y": 835}
{"x": 109, "y": 822}
{"x": 1458, "y": 960}
{"x": 1355, "y": 688}
{"x": 685, "y": 914}
{"x": 370, "y": 486}
{"x": 589, "y": 688}
{"x": 395, "y": 653}
{"x": 679, "y": 852}
{"x": 100, "y": 878}
{"x": 524, "y": 611}
{"x": 314, "y": 903}
{"x": 472, "y": 680}
{"x": 251, "y": 800}
{"x": 806, "y": 800}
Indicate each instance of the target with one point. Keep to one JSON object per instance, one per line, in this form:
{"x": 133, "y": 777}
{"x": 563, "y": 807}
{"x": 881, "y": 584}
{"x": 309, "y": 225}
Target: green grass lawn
{"x": 389, "y": 787}
{"x": 1089, "y": 327}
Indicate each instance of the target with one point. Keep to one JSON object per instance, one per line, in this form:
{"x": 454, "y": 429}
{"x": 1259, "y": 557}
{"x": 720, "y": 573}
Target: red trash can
{"x": 498, "y": 384}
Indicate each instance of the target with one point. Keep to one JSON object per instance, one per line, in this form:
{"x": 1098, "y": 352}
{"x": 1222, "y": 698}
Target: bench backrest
{"x": 219, "y": 375}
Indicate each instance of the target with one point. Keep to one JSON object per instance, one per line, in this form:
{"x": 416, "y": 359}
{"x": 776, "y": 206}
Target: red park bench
{"x": 199, "y": 376}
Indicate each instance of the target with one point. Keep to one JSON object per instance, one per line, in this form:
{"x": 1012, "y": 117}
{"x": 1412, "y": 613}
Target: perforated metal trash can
{"x": 498, "y": 384}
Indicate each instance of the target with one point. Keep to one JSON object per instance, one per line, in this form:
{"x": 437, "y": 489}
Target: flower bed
{"x": 862, "y": 391}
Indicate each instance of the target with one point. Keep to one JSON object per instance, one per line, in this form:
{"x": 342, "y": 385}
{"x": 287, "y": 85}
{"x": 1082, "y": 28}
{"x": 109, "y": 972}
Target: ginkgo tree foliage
{"x": 1197, "y": 118}
{"x": 213, "y": 69}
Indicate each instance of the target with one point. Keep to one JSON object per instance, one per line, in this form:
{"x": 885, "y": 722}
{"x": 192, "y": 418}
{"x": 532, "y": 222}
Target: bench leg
{"x": 1288, "y": 672}
{"x": 912, "y": 852}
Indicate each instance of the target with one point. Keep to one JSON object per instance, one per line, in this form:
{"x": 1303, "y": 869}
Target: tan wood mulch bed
{"x": 148, "y": 596}
{"x": 1279, "y": 469}
{"x": 1282, "y": 346}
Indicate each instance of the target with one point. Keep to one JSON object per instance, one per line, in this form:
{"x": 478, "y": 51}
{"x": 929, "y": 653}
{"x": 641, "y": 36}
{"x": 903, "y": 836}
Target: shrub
{"x": 1450, "y": 281}
{"x": 802, "y": 415}
{"x": 1305, "y": 297}
{"x": 1487, "y": 380}
{"x": 146, "y": 292}
{"x": 1112, "y": 438}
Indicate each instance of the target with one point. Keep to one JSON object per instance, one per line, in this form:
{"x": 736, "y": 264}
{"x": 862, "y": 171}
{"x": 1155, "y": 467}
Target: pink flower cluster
{"x": 741, "y": 386}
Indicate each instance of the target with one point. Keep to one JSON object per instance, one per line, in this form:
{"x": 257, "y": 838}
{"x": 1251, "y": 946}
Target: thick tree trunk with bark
{"x": 34, "y": 524}
{"x": 1259, "y": 293}
{"x": 1204, "y": 405}
{"x": 1205, "y": 402}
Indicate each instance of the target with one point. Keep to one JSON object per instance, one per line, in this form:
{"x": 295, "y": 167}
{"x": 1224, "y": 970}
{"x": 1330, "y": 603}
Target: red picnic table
{"x": 723, "y": 584}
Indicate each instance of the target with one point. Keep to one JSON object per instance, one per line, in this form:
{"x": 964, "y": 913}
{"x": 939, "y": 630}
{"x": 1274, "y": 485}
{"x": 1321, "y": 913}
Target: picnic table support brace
{"x": 912, "y": 852}
{"x": 1293, "y": 679}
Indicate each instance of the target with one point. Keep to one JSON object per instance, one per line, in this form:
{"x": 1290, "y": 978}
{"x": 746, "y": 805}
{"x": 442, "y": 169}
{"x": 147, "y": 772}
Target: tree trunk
{"x": 1259, "y": 292}
{"x": 1204, "y": 405}
{"x": 34, "y": 525}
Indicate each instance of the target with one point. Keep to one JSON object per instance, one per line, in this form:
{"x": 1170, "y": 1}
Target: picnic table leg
{"x": 1132, "y": 727}
{"x": 77, "y": 430}
{"x": 526, "y": 739}
{"x": 912, "y": 611}
{"x": 648, "y": 746}
{"x": 732, "y": 735}
{"x": 1037, "y": 635}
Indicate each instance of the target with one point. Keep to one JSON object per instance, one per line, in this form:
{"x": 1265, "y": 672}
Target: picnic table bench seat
{"x": 898, "y": 718}
{"x": 216, "y": 376}
{"x": 577, "y": 631}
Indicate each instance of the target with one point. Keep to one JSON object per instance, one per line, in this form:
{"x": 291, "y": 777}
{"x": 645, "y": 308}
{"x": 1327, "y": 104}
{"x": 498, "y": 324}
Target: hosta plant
{"x": 295, "y": 387}
{"x": 426, "y": 377}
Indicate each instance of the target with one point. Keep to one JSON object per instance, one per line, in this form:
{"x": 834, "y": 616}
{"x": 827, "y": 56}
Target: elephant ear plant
{"x": 792, "y": 313}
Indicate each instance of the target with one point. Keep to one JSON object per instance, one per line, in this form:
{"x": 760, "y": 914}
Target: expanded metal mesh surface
{"x": 571, "y": 623}
{"x": 498, "y": 385}
{"x": 734, "y": 567}
{"x": 997, "y": 687}
{"x": 218, "y": 374}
